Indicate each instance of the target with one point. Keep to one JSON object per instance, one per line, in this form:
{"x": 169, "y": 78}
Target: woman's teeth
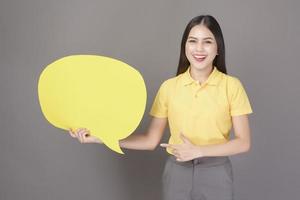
{"x": 199, "y": 58}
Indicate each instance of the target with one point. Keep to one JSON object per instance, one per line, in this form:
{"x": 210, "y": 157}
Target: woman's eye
{"x": 191, "y": 41}
{"x": 208, "y": 42}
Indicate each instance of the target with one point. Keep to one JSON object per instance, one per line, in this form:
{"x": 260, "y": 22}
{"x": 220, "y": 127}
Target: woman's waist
{"x": 202, "y": 161}
{"x": 174, "y": 139}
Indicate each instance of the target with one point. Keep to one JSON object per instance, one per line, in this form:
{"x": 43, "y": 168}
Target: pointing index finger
{"x": 166, "y": 145}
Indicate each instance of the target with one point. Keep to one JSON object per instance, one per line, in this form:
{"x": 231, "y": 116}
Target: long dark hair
{"x": 211, "y": 23}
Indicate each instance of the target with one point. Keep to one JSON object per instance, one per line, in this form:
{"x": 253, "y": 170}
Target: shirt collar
{"x": 213, "y": 78}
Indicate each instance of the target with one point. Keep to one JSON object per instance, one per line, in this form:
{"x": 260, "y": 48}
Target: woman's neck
{"x": 202, "y": 74}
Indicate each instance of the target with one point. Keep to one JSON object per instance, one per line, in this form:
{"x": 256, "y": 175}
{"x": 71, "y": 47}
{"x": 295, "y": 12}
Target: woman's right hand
{"x": 83, "y": 135}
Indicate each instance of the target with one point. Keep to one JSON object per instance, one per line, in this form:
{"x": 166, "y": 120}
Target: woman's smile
{"x": 199, "y": 57}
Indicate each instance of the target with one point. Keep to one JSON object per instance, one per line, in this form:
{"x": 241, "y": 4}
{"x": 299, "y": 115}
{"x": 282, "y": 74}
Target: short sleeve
{"x": 160, "y": 104}
{"x": 239, "y": 101}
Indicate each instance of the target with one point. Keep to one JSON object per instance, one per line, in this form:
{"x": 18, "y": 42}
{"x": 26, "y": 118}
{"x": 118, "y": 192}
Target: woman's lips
{"x": 199, "y": 58}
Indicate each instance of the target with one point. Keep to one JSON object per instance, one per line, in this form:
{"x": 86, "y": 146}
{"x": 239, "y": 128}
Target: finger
{"x": 84, "y": 135}
{"x": 72, "y": 133}
{"x": 88, "y": 133}
{"x": 166, "y": 145}
{"x": 175, "y": 153}
{"x": 77, "y": 131}
{"x": 179, "y": 160}
{"x": 80, "y": 135}
{"x": 178, "y": 157}
{"x": 82, "y": 130}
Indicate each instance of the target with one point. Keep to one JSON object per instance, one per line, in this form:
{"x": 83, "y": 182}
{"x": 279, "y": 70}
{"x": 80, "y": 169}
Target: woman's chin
{"x": 201, "y": 66}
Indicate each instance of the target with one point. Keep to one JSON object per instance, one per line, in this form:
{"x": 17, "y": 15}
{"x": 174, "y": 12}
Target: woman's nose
{"x": 199, "y": 47}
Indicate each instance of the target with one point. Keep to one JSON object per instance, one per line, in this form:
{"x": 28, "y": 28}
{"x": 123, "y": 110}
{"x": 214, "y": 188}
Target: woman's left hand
{"x": 186, "y": 151}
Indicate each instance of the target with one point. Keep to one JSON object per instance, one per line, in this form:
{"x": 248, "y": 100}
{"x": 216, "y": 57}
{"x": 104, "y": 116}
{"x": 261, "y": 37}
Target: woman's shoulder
{"x": 172, "y": 81}
{"x": 232, "y": 83}
{"x": 231, "y": 80}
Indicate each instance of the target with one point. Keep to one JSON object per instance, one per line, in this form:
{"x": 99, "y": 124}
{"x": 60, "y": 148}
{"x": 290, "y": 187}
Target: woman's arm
{"x": 240, "y": 144}
{"x": 147, "y": 141}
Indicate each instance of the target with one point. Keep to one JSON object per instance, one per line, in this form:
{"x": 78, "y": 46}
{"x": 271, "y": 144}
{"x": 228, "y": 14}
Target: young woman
{"x": 201, "y": 104}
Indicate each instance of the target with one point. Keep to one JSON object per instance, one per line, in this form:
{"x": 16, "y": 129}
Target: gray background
{"x": 39, "y": 161}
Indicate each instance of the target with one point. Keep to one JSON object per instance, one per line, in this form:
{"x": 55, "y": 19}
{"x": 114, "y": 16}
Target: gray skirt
{"x": 207, "y": 178}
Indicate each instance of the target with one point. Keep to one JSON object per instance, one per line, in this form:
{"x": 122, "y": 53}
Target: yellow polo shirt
{"x": 201, "y": 112}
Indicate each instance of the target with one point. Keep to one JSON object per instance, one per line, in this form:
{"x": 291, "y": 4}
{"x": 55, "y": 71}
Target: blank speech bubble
{"x": 99, "y": 93}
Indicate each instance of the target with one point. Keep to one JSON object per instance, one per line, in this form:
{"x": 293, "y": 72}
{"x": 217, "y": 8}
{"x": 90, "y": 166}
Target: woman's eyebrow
{"x": 193, "y": 37}
{"x": 206, "y": 38}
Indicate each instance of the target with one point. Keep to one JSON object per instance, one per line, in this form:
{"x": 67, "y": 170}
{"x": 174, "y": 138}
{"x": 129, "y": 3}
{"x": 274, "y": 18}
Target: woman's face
{"x": 200, "y": 47}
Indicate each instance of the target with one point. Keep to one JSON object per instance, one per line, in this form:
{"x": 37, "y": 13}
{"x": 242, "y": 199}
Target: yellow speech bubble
{"x": 99, "y": 93}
